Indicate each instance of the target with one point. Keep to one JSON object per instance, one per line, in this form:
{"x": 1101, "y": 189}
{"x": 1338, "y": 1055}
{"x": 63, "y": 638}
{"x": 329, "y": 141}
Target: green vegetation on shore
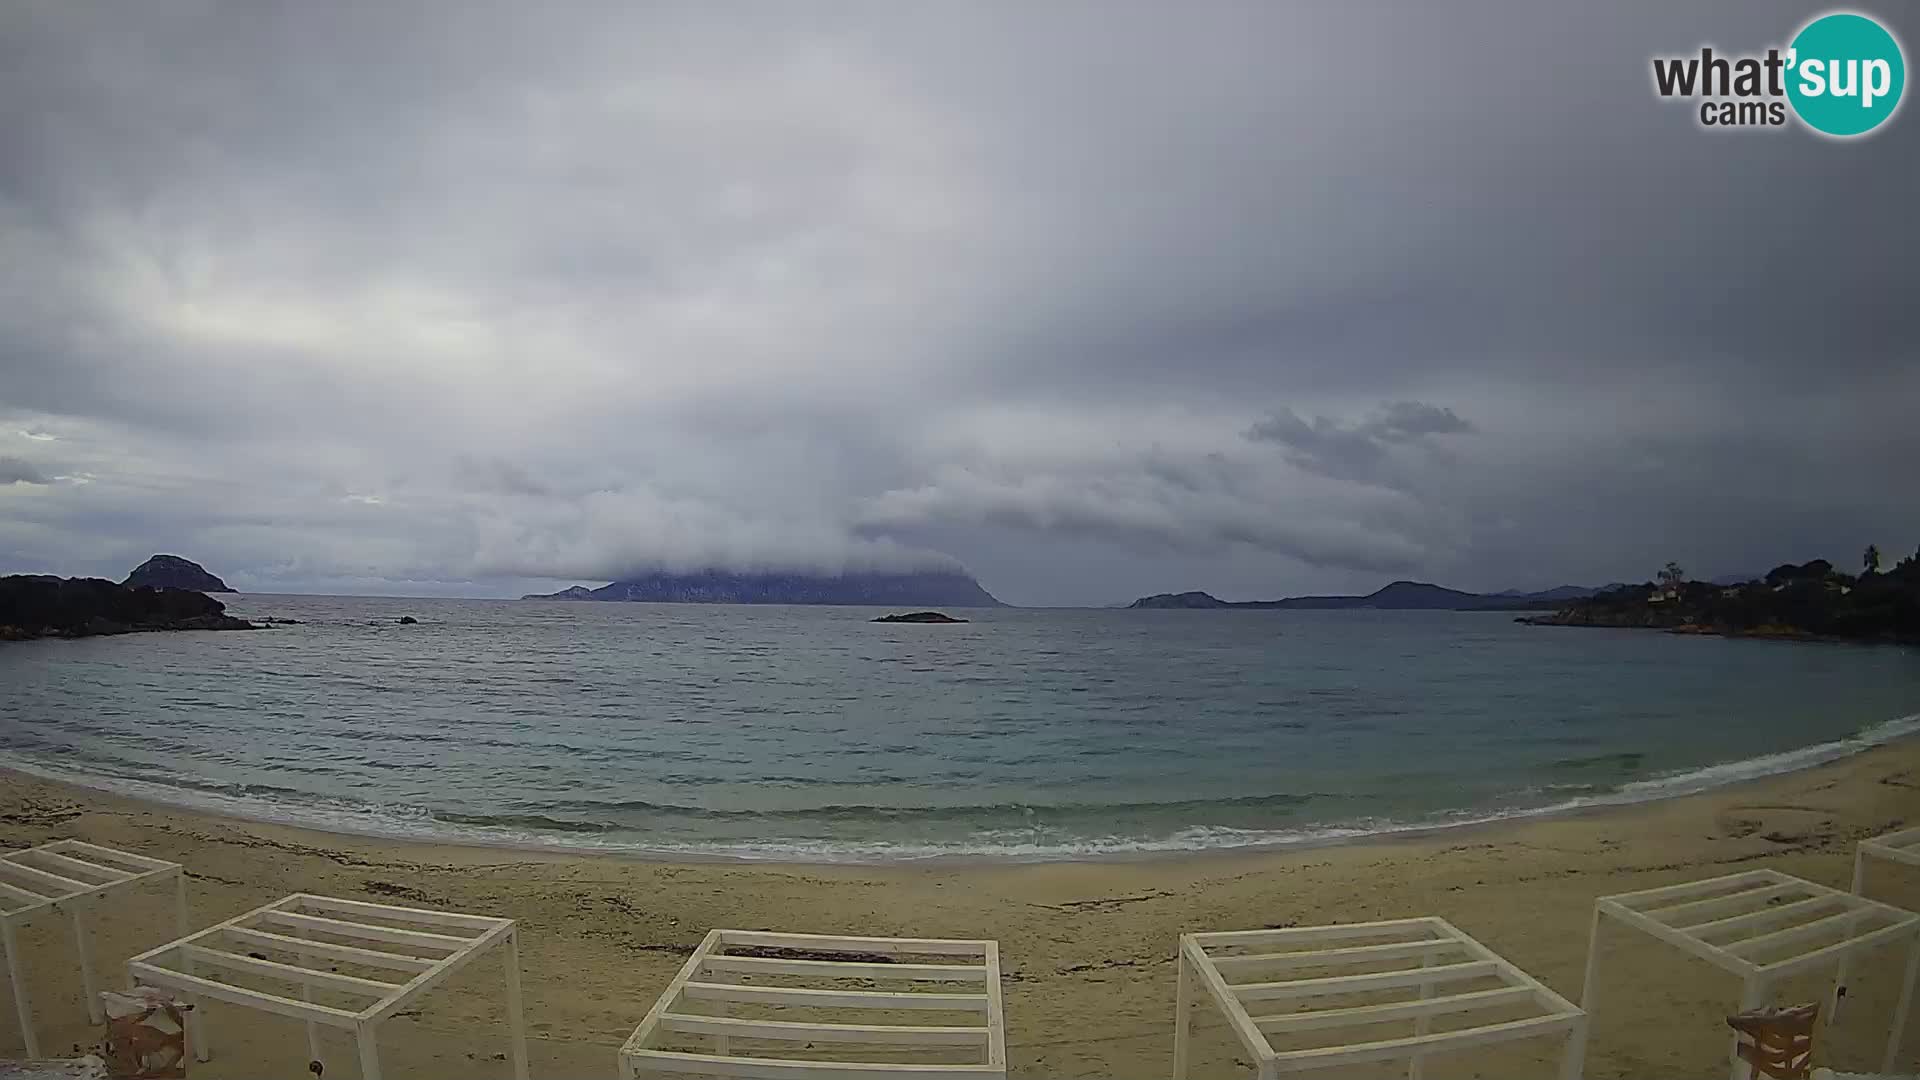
{"x": 1807, "y": 600}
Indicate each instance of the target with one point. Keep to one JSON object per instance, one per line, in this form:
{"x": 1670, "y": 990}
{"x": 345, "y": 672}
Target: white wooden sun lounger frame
{"x": 315, "y": 929}
{"x": 1443, "y": 954}
{"x": 71, "y": 877}
{"x": 704, "y": 977}
{"x": 1902, "y": 847}
{"x": 1792, "y": 910}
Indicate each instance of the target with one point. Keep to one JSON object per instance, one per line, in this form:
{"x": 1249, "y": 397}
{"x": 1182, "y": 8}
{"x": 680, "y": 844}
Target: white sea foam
{"x": 413, "y": 823}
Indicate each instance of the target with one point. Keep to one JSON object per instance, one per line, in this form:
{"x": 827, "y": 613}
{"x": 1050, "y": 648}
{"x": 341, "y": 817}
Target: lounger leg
{"x": 1573, "y": 1060}
{"x": 1182, "y": 1016}
{"x": 1576, "y": 1054}
{"x": 21, "y": 1006}
{"x": 369, "y": 1054}
{"x": 1591, "y": 986}
{"x": 516, "y": 1020}
{"x": 196, "y": 1014}
{"x": 1900, "y": 1010}
{"x": 306, "y": 994}
{"x": 1846, "y": 959}
{"x": 196, "y": 1023}
{"x": 83, "y": 945}
{"x": 1417, "y": 1064}
{"x": 1750, "y": 999}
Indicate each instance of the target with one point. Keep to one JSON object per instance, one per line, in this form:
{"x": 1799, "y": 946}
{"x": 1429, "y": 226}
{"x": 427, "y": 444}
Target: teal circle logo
{"x": 1846, "y": 74}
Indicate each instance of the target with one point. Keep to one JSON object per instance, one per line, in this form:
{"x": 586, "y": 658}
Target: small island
{"x": 920, "y": 617}
{"x": 1808, "y": 600}
{"x": 174, "y": 572}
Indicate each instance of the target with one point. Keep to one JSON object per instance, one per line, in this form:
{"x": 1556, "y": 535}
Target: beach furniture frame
{"x": 74, "y": 878}
{"x": 714, "y": 977}
{"x": 1761, "y": 926}
{"x": 1902, "y": 848}
{"x": 1422, "y": 956}
{"x": 403, "y": 952}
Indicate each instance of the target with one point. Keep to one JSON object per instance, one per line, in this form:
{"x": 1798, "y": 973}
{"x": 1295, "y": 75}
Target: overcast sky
{"x": 1096, "y": 300}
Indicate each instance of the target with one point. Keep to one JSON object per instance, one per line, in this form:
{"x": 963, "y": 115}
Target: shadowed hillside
{"x": 1809, "y": 599}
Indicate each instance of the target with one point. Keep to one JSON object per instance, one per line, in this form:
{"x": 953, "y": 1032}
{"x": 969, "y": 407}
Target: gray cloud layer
{"x": 16, "y": 471}
{"x": 1095, "y": 299}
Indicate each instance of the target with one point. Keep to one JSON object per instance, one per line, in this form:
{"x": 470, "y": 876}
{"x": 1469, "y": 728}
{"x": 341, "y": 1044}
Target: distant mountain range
{"x": 936, "y": 588}
{"x": 1558, "y": 592}
{"x": 1399, "y": 596}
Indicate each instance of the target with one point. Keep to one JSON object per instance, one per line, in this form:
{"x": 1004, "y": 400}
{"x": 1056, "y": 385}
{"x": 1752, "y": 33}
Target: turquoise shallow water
{"x": 812, "y": 733}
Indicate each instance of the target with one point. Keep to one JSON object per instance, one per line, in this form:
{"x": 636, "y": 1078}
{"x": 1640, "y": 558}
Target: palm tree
{"x": 1671, "y": 575}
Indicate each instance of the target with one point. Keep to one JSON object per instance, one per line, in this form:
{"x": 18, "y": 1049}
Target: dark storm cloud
{"x": 1098, "y": 299}
{"x": 1407, "y": 421}
{"x": 1356, "y": 450}
{"x": 16, "y": 471}
{"x": 1161, "y": 504}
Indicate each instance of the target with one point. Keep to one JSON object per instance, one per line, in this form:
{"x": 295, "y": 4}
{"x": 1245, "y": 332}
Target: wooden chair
{"x": 1777, "y": 1042}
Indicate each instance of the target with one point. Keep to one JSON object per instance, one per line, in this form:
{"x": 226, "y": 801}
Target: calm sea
{"x": 807, "y": 732}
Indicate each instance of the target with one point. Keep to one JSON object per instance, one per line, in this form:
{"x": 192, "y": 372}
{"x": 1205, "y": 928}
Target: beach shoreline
{"x": 1681, "y": 785}
{"x": 1088, "y": 944}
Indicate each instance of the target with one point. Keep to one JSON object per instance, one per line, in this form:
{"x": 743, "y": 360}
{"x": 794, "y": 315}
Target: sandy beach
{"x": 1088, "y": 946}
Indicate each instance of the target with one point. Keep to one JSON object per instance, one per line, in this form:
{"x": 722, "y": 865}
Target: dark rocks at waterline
{"x": 408, "y": 620}
{"x": 920, "y": 617}
{"x": 174, "y": 572}
{"x": 36, "y": 607}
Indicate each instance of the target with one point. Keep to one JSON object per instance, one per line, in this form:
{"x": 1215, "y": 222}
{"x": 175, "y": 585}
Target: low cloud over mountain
{"x": 1095, "y": 301}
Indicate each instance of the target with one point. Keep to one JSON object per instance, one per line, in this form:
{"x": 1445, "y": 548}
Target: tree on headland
{"x": 1810, "y": 599}
{"x": 1813, "y": 570}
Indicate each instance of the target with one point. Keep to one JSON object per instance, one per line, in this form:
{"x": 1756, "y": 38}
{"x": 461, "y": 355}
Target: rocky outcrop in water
{"x": 34, "y": 606}
{"x": 174, "y": 572}
{"x": 920, "y": 617}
